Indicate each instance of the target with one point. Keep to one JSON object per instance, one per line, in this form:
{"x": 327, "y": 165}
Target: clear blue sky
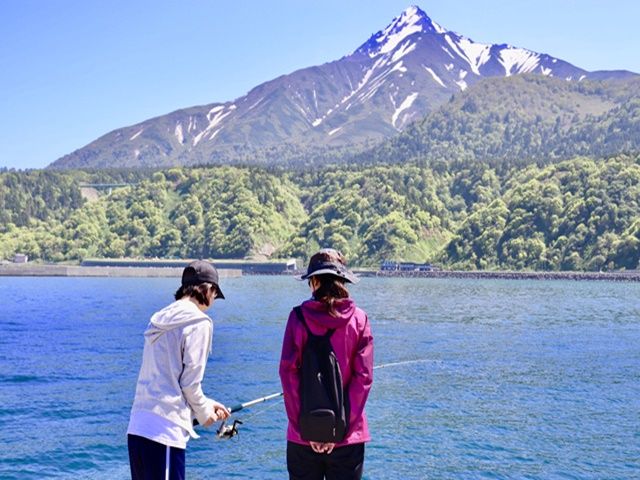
{"x": 73, "y": 70}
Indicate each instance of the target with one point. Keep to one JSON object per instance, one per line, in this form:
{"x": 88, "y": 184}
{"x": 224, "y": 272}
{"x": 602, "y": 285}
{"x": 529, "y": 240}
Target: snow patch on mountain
{"x": 435, "y": 77}
{"x": 136, "y": 135}
{"x": 438, "y": 28}
{"x": 518, "y": 60}
{"x": 178, "y": 132}
{"x": 406, "y": 47}
{"x": 256, "y": 103}
{"x": 476, "y": 54}
{"x": 461, "y": 82}
{"x": 215, "y": 116}
{"x": 446, "y": 50}
{"x": 213, "y": 135}
{"x": 406, "y": 103}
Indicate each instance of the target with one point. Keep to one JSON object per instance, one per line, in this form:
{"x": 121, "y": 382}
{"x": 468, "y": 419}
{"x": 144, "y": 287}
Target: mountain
{"x": 521, "y": 120}
{"x": 396, "y": 77}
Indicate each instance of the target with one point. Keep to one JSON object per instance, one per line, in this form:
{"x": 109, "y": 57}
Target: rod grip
{"x": 234, "y": 409}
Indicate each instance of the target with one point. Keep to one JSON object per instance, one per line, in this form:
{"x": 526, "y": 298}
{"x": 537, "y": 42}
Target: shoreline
{"x": 33, "y": 270}
{"x": 511, "y": 275}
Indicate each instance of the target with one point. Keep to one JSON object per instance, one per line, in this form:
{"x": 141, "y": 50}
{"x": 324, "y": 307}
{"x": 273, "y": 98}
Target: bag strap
{"x": 298, "y": 311}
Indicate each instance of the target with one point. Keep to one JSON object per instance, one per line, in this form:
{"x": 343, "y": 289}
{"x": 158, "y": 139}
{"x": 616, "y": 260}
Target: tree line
{"x": 578, "y": 214}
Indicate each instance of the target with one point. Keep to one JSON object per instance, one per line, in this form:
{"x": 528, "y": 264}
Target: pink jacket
{"x": 353, "y": 345}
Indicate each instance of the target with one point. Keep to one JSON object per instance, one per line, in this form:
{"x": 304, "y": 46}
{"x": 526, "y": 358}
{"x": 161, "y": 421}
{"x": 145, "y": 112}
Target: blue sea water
{"x": 519, "y": 379}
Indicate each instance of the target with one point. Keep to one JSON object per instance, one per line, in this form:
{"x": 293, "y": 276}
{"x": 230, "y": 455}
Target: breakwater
{"x": 631, "y": 276}
{"x": 34, "y": 270}
{"x": 276, "y": 266}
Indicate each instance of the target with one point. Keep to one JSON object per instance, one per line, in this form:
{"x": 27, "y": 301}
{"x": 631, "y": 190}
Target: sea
{"x": 486, "y": 379}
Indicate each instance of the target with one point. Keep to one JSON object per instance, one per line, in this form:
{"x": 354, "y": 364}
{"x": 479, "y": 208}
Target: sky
{"x": 74, "y": 70}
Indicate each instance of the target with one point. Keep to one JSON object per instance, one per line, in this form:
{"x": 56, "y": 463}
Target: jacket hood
{"x": 175, "y": 315}
{"x": 317, "y": 312}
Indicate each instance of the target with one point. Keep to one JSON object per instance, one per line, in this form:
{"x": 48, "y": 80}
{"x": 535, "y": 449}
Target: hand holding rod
{"x": 240, "y": 406}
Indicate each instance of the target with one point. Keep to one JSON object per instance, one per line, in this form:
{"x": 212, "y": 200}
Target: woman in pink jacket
{"x": 329, "y": 308}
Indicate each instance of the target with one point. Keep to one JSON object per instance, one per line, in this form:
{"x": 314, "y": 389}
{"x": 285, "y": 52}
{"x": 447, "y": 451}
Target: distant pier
{"x": 34, "y": 270}
{"x": 628, "y": 276}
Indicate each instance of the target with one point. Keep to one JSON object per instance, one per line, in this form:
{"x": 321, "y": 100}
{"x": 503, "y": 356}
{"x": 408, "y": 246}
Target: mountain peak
{"x": 411, "y": 21}
{"x": 399, "y": 75}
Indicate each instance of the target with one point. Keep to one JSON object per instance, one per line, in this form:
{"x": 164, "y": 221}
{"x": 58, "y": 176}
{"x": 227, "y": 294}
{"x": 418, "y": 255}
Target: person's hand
{"x": 220, "y": 412}
{"x": 211, "y": 420}
{"x": 319, "y": 447}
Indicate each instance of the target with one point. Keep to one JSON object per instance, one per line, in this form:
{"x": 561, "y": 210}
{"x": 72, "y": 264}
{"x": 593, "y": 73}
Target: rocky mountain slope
{"x": 398, "y": 76}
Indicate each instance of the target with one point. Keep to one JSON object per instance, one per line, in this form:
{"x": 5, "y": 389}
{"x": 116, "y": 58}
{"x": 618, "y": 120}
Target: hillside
{"x": 579, "y": 214}
{"x": 522, "y": 120}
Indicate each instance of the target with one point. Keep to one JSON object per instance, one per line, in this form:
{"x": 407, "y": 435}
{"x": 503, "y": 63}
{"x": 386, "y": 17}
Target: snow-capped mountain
{"x": 396, "y": 77}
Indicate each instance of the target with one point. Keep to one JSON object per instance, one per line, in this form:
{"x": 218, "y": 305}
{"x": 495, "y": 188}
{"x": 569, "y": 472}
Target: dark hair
{"x": 201, "y": 293}
{"x": 331, "y": 287}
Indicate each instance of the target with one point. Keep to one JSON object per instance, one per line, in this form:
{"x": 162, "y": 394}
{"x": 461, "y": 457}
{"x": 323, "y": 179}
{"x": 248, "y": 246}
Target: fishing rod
{"x": 229, "y": 431}
{"x": 237, "y": 408}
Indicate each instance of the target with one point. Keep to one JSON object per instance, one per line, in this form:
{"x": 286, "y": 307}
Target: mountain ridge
{"x": 398, "y": 76}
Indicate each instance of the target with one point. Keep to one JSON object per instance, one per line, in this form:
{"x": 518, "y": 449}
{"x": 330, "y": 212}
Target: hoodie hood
{"x": 317, "y": 312}
{"x": 178, "y": 314}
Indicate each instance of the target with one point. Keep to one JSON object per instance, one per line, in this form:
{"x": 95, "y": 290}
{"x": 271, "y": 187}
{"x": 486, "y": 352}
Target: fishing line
{"x": 276, "y": 395}
{"x": 260, "y": 412}
{"x": 230, "y": 431}
{"x": 405, "y": 362}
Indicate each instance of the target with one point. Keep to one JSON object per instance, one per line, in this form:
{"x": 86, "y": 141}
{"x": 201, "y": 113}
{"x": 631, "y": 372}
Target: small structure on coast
{"x": 392, "y": 266}
{"x": 20, "y": 258}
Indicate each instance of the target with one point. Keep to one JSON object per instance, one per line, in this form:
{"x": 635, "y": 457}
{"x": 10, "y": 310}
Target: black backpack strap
{"x": 298, "y": 311}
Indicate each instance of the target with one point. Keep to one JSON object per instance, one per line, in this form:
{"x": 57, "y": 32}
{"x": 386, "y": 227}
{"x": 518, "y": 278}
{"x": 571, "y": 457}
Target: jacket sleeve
{"x": 362, "y": 374}
{"x": 195, "y": 352}
{"x": 289, "y": 369}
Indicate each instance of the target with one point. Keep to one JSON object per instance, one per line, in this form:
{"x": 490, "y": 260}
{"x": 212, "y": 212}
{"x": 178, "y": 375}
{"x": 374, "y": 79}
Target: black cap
{"x": 322, "y": 267}
{"x": 201, "y": 271}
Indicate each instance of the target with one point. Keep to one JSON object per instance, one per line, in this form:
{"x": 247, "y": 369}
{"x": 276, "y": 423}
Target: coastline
{"x": 633, "y": 276}
{"x": 33, "y": 270}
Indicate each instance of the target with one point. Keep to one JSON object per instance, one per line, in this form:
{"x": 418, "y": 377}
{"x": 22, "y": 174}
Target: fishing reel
{"x": 228, "y": 431}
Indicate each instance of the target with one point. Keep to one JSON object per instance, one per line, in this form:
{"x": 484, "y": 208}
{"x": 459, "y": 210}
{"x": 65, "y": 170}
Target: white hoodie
{"x": 177, "y": 343}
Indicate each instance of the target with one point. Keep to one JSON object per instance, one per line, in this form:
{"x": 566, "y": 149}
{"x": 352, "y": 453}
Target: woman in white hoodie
{"x": 169, "y": 394}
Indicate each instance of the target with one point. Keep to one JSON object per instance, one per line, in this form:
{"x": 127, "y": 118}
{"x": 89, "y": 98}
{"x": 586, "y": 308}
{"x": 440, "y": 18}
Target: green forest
{"x": 577, "y": 214}
{"x": 520, "y": 120}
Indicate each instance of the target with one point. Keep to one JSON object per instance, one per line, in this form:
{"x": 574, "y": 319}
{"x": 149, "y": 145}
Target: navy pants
{"x": 151, "y": 460}
{"x": 344, "y": 463}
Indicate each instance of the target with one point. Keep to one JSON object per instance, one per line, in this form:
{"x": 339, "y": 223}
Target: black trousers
{"x": 151, "y": 460}
{"x": 344, "y": 463}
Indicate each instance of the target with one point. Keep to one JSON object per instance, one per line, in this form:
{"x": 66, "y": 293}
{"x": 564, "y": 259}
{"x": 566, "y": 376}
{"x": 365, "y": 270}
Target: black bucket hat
{"x": 201, "y": 271}
{"x": 323, "y": 267}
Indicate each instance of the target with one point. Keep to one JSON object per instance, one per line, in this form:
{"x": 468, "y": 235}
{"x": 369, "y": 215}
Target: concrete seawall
{"x": 593, "y": 276}
{"x": 33, "y": 270}
{"x": 30, "y": 270}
